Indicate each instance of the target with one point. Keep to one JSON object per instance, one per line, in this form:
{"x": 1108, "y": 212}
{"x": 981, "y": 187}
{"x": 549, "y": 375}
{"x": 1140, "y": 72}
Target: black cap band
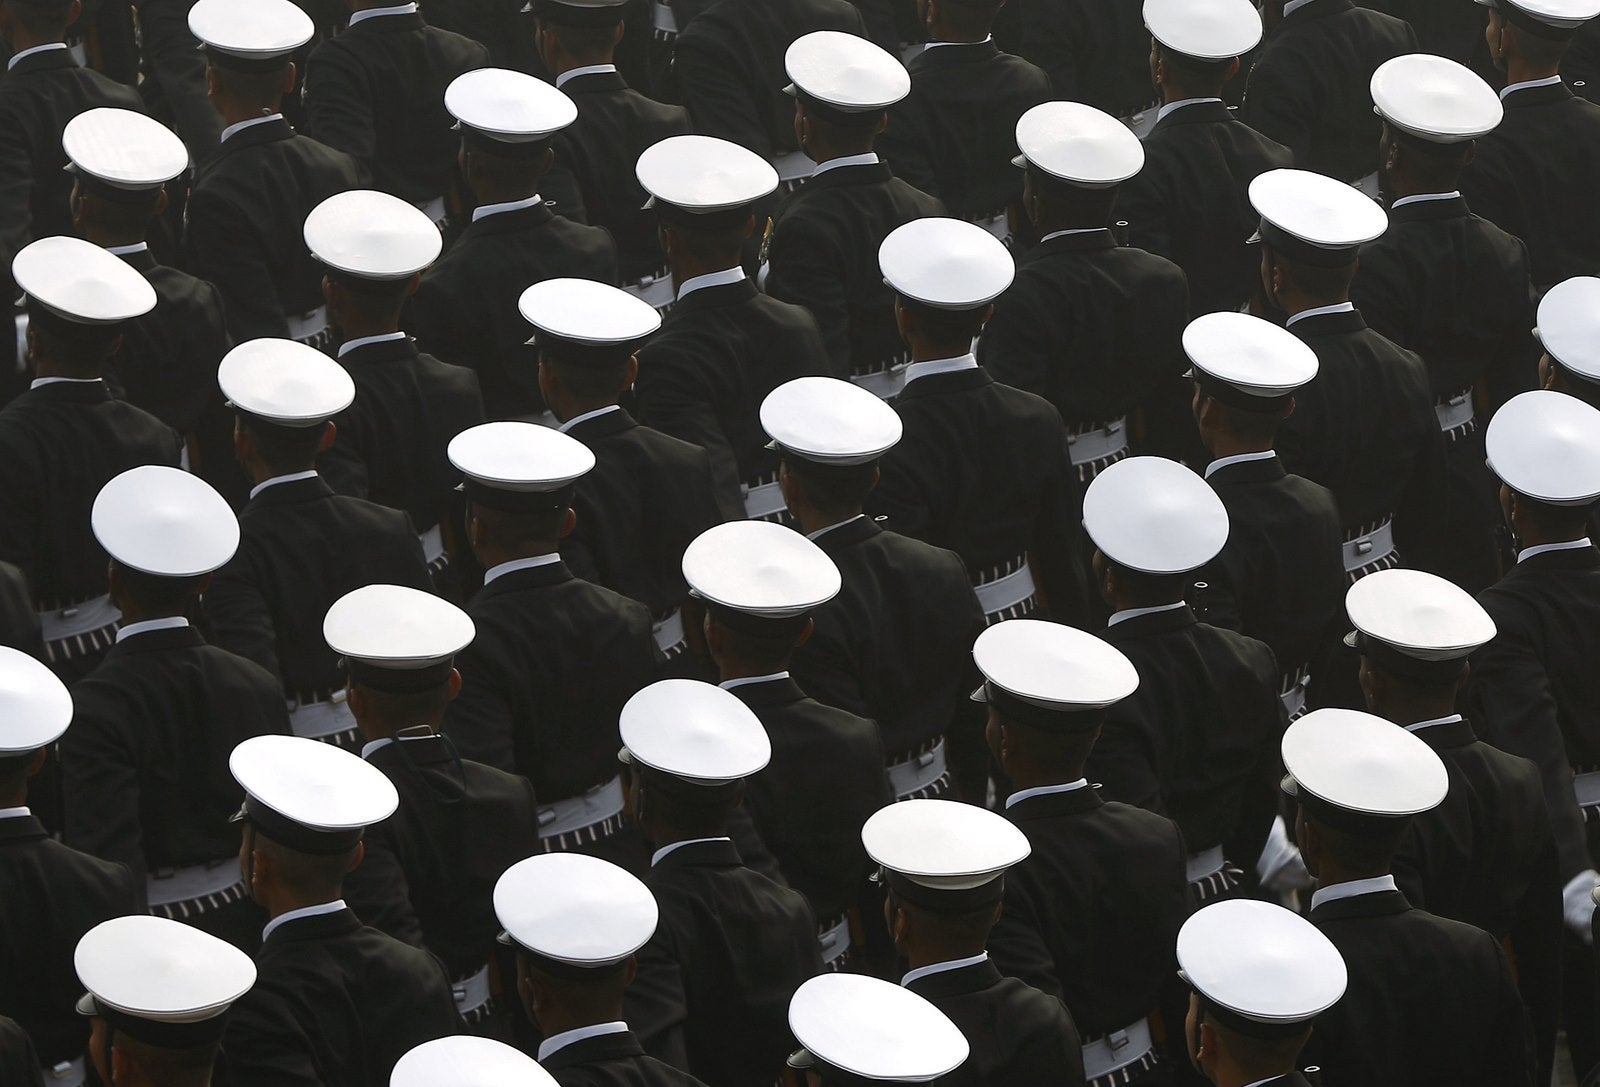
{"x": 723, "y": 219}
{"x": 495, "y": 498}
{"x": 107, "y": 191}
{"x": 1524, "y": 21}
{"x": 1250, "y": 1028}
{"x": 833, "y": 115}
{"x": 944, "y": 900}
{"x": 486, "y": 143}
{"x": 297, "y": 836}
{"x": 1292, "y": 248}
{"x": 398, "y": 680}
{"x": 249, "y": 65}
{"x": 579, "y": 15}
{"x": 760, "y": 626}
{"x": 1235, "y": 397}
{"x": 1388, "y": 658}
{"x": 1359, "y": 824}
{"x": 196, "y": 1035}
{"x": 1019, "y": 712}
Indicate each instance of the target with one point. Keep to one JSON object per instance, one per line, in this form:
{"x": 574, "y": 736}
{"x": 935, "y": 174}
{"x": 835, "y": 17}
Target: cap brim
{"x": 800, "y": 1059}
{"x": 1353, "y": 639}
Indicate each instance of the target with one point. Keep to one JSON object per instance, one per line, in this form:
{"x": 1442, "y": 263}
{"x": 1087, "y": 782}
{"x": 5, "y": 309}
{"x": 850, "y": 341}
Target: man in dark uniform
{"x": 1093, "y": 53}
{"x": 1533, "y": 175}
{"x": 19, "y": 1063}
{"x": 731, "y": 946}
{"x": 376, "y": 92}
{"x": 1197, "y": 741}
{"x": 1092, "y": 915}
{"x": 1533, "y": 688}
{"x": 1190, "y": 203}
{"x": 145, "y": 764}
{"x": 1486, "y": 855}
{"x": 465, "y": 311}
{"x": 578, "y": 41}
{"x": 1450, "y": 286}
{"x": 1308, "y": 88}
{"x": 52, "y": 894}
{"x": 576, "y": 924}
{"x": 954, "y": 136}
{"x": 336, "y": 1001}
{"x": 649, "y": 495}
{"x": 173, "y": 76}
{"x": 64, "y": 438}
{"x": 408, "y": 405}
{"x": 983, "y": 469}
{"x": 252, "y": 194}
{"x": 429, "y": 871}
{"x": 760, "y": 584}
{"x": 724, "y": 346}
{"x": 1280, "y": 575}
{"x": 1569, "y": 333}
{"x": 1358, "y": 780}
{"x": 945, "y": 866}
{"x": 19, "y": 623}
{"x": 555, "y": 658}
{"x": 821, "y": 250}
{"x": 1093, "y": 327}
{"x": 302, "y": 547}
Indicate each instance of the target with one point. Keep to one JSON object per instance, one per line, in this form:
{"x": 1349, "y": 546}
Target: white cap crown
{"x": 1054, "y": 666}
{"x": 1154, "y": 516}
{"x": 35, "y": 706}
{"x": 760, "y": 568}
{"x": 1261, "y": 961}
{"x": 1569, "y": 326}
{"x": 316, "y": 785}
{"x": 695, "y": 731}
{"x": 372, "y": 235}
{"x": 830, "y": 421}
{"x": 703, "y": 174}
{"x": 946, "y": 263}
{"x": 1420, "y": 614}
{"x": 846, "y": 71}
{"x": 285, "y": 382}
{"x": 161, "y": 970}
{"x": 875, "y": 1030}
{"x": 1254, "y": 356}
{"x": 1435, "y": 99}
{"x": 575, "y": 909}
{"x": 395, "y": 626}
{"x": 1317, "y": 210}
{"x": 1546, "y": 445}
{"x": 164, "y": 521}
{"x": 943, "y": 844}
{"x": 1363, "y": 764}
{"x": 124, "y": 149}
{"x": 513, "y": 456}
{"x": 1079, "y": 144}
{"x": 81, "y": 282}
{"x": 1204, "y": 29}
{"x": 467, "y": 1061}
{"x": 584, "y": 311}
{"x": 258, "y": 30}
{"x": 509, "y": 106}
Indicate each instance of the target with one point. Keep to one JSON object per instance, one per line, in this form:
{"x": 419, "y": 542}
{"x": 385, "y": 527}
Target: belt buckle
{"x": 1364, "y": 545}
{"x": 338, "y": 697}
{"x": 458, "y": 993}
{"x": 1112, "y": 427}
{"x": 61, "y": 1070}
{"x": 68, "y": 613}
{"x": 546, "y": 816}
{"x": 924, "y": 760}
{"x": 1117, "y": 1039}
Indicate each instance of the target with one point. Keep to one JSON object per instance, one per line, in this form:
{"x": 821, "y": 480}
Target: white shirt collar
{"x": 373, "y": 13}
{"x": 837, "y": 524}
{"x": 15, "y": 813}
{"x": 1547, "y": 81}
{"x": 521, "y": 564}
{"x": 171, "y": 622}
{"x": 127, "y": 250}
{"x": 1317, "y": 311}
{"x": 292, "y": 477}
{"x": 510, "y": 205}
{"x": 745, "y": 681}
{"x": 40, "y": 382}
{"x": 1420, "y": 725}
{"x": 1073, "y": 230}
{"x": 1292, "y": 6}
{"x": 587, "y": 69}
{"x": 661, "y": 853}
{"x": 943, "y": 967}
{"x": 868, "y": 159}
{"x": 1133, "y": 613}
{"x": 1179, "y": 104}
{"x": 710, "y": 279}
{"x": 1423, "y": 197}
{"x": 934, "y": 45}
{"x": 362, "y": 341}
{"x": 1238, "y": 458}
{"x": 586, "y": 416}
{"x": 377, "y": 745}
{"x": 560, "y": 1041}
{"x": 1046, "y": 790}
{"x": 968, "y": 361}
{"x": 1539, "y": 549}
{"x": 17, "y": 57}
{"x": 304, "y": 911}
{"x": 1353, "y": 889}
{"x": 234, "y": 129}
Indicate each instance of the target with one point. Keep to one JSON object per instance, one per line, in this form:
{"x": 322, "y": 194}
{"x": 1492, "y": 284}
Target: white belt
{"x": 1586, "y": 787}
{"x": 1143, "y": 121}
{"x": 1365, "y": 550}
{"x": 884, "y": 384}
{"x": 918, "y": 772}
{"x": 318, "y": 720}
{"x": 60, "y": 624}
{"x": 471, "y": 993}
{"x": 835, "y": 942}
{"x": 22, "y": 342}
{"x": 309, "y": 326}
{"x": 666, "y": 23}
{"x": 1117, "y": 1050}
{"x": 435, "y": 210}
{"x": 1367, "y": 185}
{"x": 433, "y": 543}
{"x": 1457, "y": 411}
{"x": 195, "y": 881}
{"x": 668, "y": 633}
{"x": 1006, "y": 592}
{"x": 997, "y": 225}
{"x": 1201, "y": 865}
{"x": 765, "y": 500}
{"x": 67, "y": 1074}
{"x": 653, "y": 291}
{"x": 793, "y": 166}
{"x": 1104, "y": 441}
{"x": 585, "y": 810}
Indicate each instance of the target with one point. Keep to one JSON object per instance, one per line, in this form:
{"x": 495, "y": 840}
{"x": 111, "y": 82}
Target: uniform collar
{"x": 935, "y": 45}
{"x": 968, "y": 361}
{"x": 235, "y": 129}
{"x": 1239, "y": 458}
{"x": 304, "y": 911}
{"x": 362, "y": 341}
{"x": 375, "y": 13}
{"x": 171, "y": 622}
{"x": 1423, "y": 197}
{"x": 666, "y": 850}
{"x": 41, "y": 382}
{"x": 292, "y": 477}
{"x": 521, "y": 564}
{"x": 1133, "y": 613}
{"x": 16, "y": 813}
{"x": 813, "y": 536}
{"x": 1454, "y": 718}
{"x": 16, "y": 58}
{"x": 868, "y": 159}
{"x": 1353, "y": 889}
{"x": 1292, "y": 6}
{"x": 587, "y": 69}
{"x": 510, "y": 205}
{"x": 1528, "y": 84}
{"x": 1046, "y": 790}
{"x": 746, "y": 681}
{"x": 1540, "y": 549}
{"x": 711, "y": 279}
{"x": 128, "y": 250}
{"x": 1318, "y": 311}
{"x": 567, "y": 1037}
{"x": 943, "y": 967}
{"x": 367, "y": 749}
{"x": 586, "y": 416}
{"x": 1161, "y": 114}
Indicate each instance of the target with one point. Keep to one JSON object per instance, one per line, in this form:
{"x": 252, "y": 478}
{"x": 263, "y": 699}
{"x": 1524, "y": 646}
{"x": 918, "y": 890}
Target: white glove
{"x": 1280, "y": 868}
{"x": 1577, "y": 904}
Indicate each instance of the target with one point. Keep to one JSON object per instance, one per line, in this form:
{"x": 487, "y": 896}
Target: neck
{"x": 1520, "y": 70}
{"x": 812, "y": 520}
{"x": 1532, "y": 534}
{"x": 685, "y": 269}
{"x": 282, "y": 901}
{"x": 563, "y": 63}
{"x": 1408, "y": 711}
{"x": 1049, "y": 223}
{"x": 1035, "y": 777}
{"x": 919, "y": 954}
{"x": 1292, "y": 302}
{"x": 1401, "y": 184}
{"x": 22, "y": 40}
{"x": 16, "y": 797}
{"x": 660, "y": 836}
{"x": 492, "y": 555}
{"x": 353, "y": 326}
{"x": 1172, "y": 92}
{"x": 566, "y": 408}
{"x": 1230, "y": 1074}
{"x": 561, "y": 1015}
{"x": 235, "y": 112}
{"x": 1226, "y": 444}
{"x": 821, "y": 152}
{"x": 940, "y": 30}
{"x": 733, "y": 668}
{"x": 260, "y": 472}
{"x": 132, "y": 613}
{"x": 106, "y": 238}
{"x": 1330, "y": 873}
{"x": 48, "y": 367}
{"x": 925, "y": 351}
{"x": 485, "y": 194}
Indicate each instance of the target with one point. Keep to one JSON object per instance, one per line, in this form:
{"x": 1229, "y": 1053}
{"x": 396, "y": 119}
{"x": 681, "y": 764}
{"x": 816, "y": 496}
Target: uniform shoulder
{"x": 95, "y": 883}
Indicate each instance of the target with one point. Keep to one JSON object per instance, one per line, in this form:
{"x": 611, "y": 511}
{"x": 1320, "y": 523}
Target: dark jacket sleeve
{"x": 237, "y": 615}
{"x": 804, "y": 267}
{"x": 378, "y": 892}
{"x": 221, "y": 246}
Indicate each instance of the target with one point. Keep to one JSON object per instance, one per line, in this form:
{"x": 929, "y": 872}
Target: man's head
{"x": 1415, "y": 632}
{"x": 705, "y": 192}
{"x": 79, "y": 297}
{"x": 121, "y": 162}
{"x": 374, "y": 248}
{"x": 284, "y": 396}
{"x": 843, "y": 86}
{"x": 26, "y": 23}
{"x": 267, "y": 449}
{"x": 1222, "y": 422}
{"x": 588, "y": 335}
{"x": 1153, "y": 523}
{"x": 1075, "y": 157}
{"x": 1433, "y": 110}
{"x": 519, "y": 486}
{"x": 857, "y": 1030}
{"x": 958, "y": 20}
{"x": 249, "y": 66}
{"x": 572, "y": 35}
{"x": 166, "y": 531}
{"x": 1522, "y": 42}
{"x": 1195, "y": 45}
{"x": 507, "y": 120}
{"x": 1312, "y": 229}
{"x": 35, "y": 710}
{"x": 1569, "y": 331}
{"x": 1545, "y": 448}
{"x": 945, "y": 274}
{"x": 1178, "y": 76}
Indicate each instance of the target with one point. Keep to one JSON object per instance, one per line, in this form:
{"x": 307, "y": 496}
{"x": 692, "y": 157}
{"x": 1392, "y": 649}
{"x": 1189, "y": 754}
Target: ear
{"x": 632, "y": 373}
{"x": 805, "y": 633}
{"x": 330, "y": 293}
{"x": 161, "y": 202}
{"x": 356, "y": 699}
{"x": 38, "y": 761}
{"x": 359, "y": 856}
{"x": 877, "y": 474}
{"x": 632, "y": 971}
{"x": 288, "y": 76}
{"x": 616, "y": 39}
{"x": 329, "y": 433}
{"x": 244, "y": 445}
{"x": 749, "y": 227}
{"x": 1233, "y": 69}
{"x": 987, "y": 313}
{"x": 1289, "y": 409}
{"x": 455, "y": 685}
{"x": 213, "y": 85}
{"x": 568, "y": 523}
{"x": 413, "y": 283}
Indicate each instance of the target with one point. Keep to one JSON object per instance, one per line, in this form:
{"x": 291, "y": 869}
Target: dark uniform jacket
{"x": 1445, "y": 30}
{"x": 376, "y": 92}
{"x": 466, "y": 312}
{"x": 615, "y": 125}
{"x": 714, "y": 981}
{"x": 146, "y": 758}
{"x": 1092, "y": 915}
{"x": 392, "y": 439}
{"x": 19, "y": 623}
{"x": 1280, "y": 577}
{"x": 954, "y": 137}
{"x": 59, "y": 444}
{"x": 982, "y": 469}
{"x": 245, "y": 223}
{"x": 1429, "y": 1000}
{"x": 429, "y": 872}
{"x": 335, "y": 1002}
{"x": 703, "y": 377}
{"x": 1535, "y": 688}
{"x": 1016, "y": 1034}
{"x": 1198, "y": 741}
{"x": 647, "y": 498}
{"x": 728, "y": 62}
{"x": 895, "y": 645}
{"x": 1191, "y": 201}
{"x": 1533, "y": 177}
{"x": 19, "y": 1064}
{"x": 1094, "y": 52}
{"x": 49, "y": 897}
{"x": 173, "y": 79}
{"x": 1309, "y": 89}
{"x": 301, "y": 548}
{"x": 809, "y": 803}
{"x": 823, "y": 254}
{"x": 612, "y": 1060}
{"x": 546, "y": 678}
